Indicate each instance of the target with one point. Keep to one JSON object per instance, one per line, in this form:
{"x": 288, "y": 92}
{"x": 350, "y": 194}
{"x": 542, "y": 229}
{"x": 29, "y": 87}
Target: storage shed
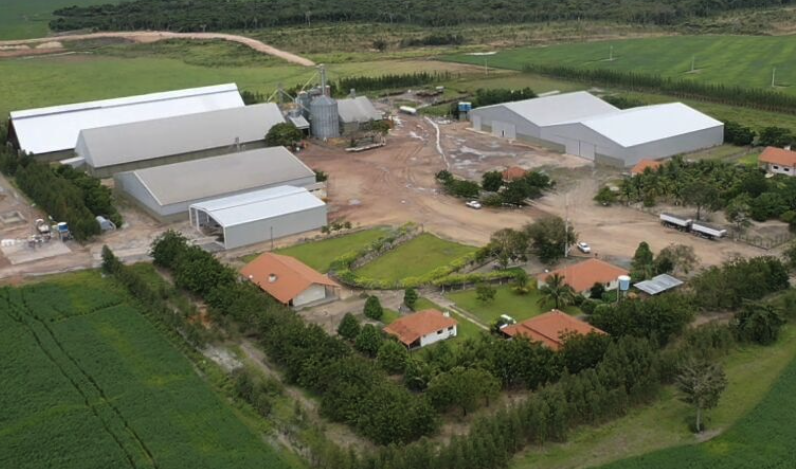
{"x": 166, "y": 192}
{"x": 255, "y": 217}
{"x": 109, "y": 150}
{"x": 51, "y": 133}
{"x": 356, "y": 112}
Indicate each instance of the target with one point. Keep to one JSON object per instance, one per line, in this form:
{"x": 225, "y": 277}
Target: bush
{"x": 373, "y": 309}
{"x": 758, "y": 323}
{"x": 349, "y": 327}
{"x": 392, "y": 357}
{"x": 737, "y": 134}
{"x": 369, "y": 340}
{"x": 485, "y": 292}
{"x": 410, "y": 298}
{"x": 283, "y": 135}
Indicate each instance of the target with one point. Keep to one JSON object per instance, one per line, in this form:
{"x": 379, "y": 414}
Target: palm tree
{"x": 557, "y": 292}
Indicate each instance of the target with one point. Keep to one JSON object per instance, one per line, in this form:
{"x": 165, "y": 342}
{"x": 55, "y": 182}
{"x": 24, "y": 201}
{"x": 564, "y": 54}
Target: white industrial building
{"x": 108, "y": 150}
{"x": 258, "y": 216}
{"x": 166, "y": 192}
{"x": 583, "y": 125}
{"x": 51, "y": 133}
{"x": 356, "y": 112}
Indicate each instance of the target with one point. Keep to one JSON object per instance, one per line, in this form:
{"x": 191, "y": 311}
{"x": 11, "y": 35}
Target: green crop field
{"x": 733, "y": 60}
{"x": 414, "y": 258}
{"x": 764, "y": 438}
{"x": 88, "y": 382}
{"x": 21, "y": 19}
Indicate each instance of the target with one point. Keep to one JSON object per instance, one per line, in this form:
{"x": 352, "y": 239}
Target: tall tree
{"x": 556, "y": 291}
{"x": 349, "y": 327}
{"x": 702, "y": 195}
{"x": 643, "y": 265}
{"x": 373, "y": 309}
{"x": 410, "y": 298}
{"x": 492, "y": 181}
{"x": 549, "y": 237}
{"x": 283, "y": 135}
{"x": 701, "y": 385}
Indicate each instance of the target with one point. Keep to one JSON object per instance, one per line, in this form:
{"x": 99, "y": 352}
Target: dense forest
{"x": 212, "y": 15}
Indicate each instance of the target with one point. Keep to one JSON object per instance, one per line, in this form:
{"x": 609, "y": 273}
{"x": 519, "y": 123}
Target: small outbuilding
{"x": 355, "y": 113}
{"x": 255, "y": 217}
{"x": 514, "y": 173}
{"x": 423, "y": 328}
{"x": 778, "y": 161}
{"x": 51, "y": 133}
{"x": 109, "y": 150}
{"x": 290, "y": 281}
{"x": 166, "y": 192}
{"x": 644, "y": 165}
{"x": 659, "y": 284}
{"x": 584, "y": 275}
{"x": 550, "y": 329}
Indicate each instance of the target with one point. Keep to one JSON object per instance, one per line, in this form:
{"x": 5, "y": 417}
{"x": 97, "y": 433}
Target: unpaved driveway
{"x": 37, "y": 46}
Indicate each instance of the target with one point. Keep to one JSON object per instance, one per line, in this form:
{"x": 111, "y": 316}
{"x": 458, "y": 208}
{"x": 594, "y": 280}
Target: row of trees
{"x": 201, "y": 15}
{"x": 353, "y": 388}
{"x": 64, "y": 193}
{"x": 754, "y": 98}
{"x": 743, "y": 192}
{"x": 390, "y": 81}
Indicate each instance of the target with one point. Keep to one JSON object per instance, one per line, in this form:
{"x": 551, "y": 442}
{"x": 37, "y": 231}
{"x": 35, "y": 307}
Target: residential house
{"x": 583, "y": 275}
{"x": 514, "y": 173}
{"x": 290, "y": 281}
{"x": 778, "y": 161}
{"x": 423, "y": 328}
{"x": 550, "y": 328}
{"x": 643, "y": 165}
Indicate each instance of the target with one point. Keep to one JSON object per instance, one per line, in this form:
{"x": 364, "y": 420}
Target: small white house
{"x": 290, "y": 281}
{"x": 778, "y": 161}
{"x": 423, "y": 328}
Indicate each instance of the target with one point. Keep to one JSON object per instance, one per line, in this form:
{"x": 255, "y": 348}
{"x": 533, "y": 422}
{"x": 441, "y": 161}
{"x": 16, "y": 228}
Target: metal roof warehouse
{"x": 108, "y": 150}
{"x": 258, "y": 216}
{"x": 55, "y": 129}
{"x": 167, "y": 191}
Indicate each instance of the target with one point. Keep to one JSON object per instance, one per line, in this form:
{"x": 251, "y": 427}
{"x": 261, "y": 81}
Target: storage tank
{"x": 325, "y": 120}
{"x": 465, "y": 106}
{"x": 303, "y": 104}
{"x": 624, "y": 283}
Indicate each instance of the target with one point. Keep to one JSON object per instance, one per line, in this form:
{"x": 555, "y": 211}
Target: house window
{"x": 776, "y": 167}
{"x": 450, "y": 329}
{"x": 440, "y": 332}
{"x": 787, "y": 170}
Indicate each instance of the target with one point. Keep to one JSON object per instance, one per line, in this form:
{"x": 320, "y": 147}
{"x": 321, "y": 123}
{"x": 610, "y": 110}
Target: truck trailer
{"x": 696, "y": 228}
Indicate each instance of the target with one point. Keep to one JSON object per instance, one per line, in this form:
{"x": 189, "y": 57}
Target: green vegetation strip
{"x": 90, "y": 383}
{"x": 320, "y": 254}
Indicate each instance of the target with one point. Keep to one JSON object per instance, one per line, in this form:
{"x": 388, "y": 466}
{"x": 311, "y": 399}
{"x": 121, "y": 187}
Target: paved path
{"x": 39, "y": 45}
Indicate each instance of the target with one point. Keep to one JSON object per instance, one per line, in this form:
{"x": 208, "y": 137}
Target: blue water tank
{"x": 624, "y": 283}
{"x": 465, "y": 106}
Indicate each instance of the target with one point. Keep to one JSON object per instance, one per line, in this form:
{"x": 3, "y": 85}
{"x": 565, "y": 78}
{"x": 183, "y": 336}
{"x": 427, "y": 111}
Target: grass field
{"x": 88, "y": 382}
{"x": 320, "y": 254}
{"x": 21, "y": 19}
{"x": 414, "y": 258}
{"x": 464, "y": 330}
{"x": 520, "y": 307}
{"x": 751, "y": 371}
{"x": 734, "y": 60}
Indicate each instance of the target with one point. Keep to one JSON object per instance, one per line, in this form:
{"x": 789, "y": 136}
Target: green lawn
{"x": 389, "y": 317}
{"x": 751, "y": 371}
{"x": 520, "y": 307}
{"x": 414, "y": 258}
{"x": 733, "y": 60}
{"x": 320, "y": 254}
{"x": 88, "y": 382}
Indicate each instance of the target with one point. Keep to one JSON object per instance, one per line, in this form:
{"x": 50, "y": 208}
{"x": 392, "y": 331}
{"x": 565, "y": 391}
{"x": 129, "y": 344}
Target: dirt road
{"x": 43, "y": 45}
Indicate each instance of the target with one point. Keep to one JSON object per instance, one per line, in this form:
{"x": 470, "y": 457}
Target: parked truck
{"x": 688, "y": 225}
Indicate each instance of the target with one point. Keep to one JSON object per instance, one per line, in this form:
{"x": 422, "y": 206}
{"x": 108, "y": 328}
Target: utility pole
{"x": 566, "y": 226}
{"x": 611, "y": 54}
{"x": 693, "y": 63}
{"x": 773, "y": 77}
{"x": 486, "y": 66}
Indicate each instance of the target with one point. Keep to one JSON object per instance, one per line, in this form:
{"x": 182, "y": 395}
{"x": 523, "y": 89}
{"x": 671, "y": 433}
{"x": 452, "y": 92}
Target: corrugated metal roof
{"x": 659, "y": 284}
{"x": 551, "y": 110}
{"x": 258, "y": 205}
{"x": 650, "y": 123}
{"x": 300, "y": 122}
{"x": 140, "y": 141}
{"x": 56, "y": 128}
{"x": 358, "y": 109}
{"x": 221, "y": 175}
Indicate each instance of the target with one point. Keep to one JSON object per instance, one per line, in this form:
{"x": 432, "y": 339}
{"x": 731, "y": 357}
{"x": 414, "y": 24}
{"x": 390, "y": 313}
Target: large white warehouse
{"x": 166, "y": 192}
{"x": 583, "y": 125}
{"x": 108, "y": 150}
{"x": 52, "y": 132}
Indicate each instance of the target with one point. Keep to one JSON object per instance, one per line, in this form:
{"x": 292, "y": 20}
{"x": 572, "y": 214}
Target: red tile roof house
{"x": 583, "y": 275}
{"x": 643, "y": 165}
{"x": 290, "y": 281}
{"x": 514, "y": 173}
{"x": 422, "y": 328}
{"x": 550, "y": 328}
{"x": 778, "y": 161}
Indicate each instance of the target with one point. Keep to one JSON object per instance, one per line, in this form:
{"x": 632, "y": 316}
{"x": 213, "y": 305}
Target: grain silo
{"x": 325, "y": 120}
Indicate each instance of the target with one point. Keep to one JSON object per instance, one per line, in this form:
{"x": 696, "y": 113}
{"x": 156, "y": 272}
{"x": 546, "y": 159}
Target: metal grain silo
{"x": 325, "y": 120}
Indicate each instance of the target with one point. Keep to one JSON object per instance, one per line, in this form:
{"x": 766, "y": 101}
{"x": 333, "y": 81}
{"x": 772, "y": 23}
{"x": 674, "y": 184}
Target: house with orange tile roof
{"x": 423, "y": 328}
{"x": 290, "y": 281}
{"x": 550, "y": 328}
{"x": 778, "y": 161}
{"x": 583, "y": 275}
{"x": 643, "y": 165}
{"x": 514, "y": 173}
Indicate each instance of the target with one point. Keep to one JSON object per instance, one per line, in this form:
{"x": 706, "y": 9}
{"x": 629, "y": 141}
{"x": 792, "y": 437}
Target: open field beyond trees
{"x": 732, "y": 60}
{"x": 414, "y": 258}
{"x": 90, "y": 383}
{"x": 21, "y": 19}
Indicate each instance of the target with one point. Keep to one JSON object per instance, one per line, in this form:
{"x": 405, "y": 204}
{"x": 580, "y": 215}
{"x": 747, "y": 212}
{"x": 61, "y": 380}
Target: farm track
{"x": 89, "y": 392}
{"x": 26, "y": 47}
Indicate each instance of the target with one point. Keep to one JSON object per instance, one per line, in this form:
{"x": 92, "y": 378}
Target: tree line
{"x": 211, "y": 15}
{"x": 755, "y": 98}
{"x": 497, "y": 192}
{"x": 389, "y": 81}
{"x": 64, "y": 193}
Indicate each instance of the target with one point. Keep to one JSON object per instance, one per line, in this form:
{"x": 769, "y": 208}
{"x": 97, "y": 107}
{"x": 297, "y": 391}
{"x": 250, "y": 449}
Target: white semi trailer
{"x": 688, "y": 225}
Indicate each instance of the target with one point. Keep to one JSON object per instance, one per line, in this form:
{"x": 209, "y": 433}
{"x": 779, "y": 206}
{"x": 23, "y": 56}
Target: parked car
{"x": 584, "y": 247}
{"x": 474, "y": 204}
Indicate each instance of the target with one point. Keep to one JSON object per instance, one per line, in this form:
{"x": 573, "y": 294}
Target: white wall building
{"x": 423, "y": 328}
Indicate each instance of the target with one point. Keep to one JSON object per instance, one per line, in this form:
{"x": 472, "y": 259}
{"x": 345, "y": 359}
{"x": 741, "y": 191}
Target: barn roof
{"x": 358, "y": 109}
{"x": 56, "y": 128}
{"x": 555, "y": 109}
{"x": 152, "y": 139}
{"x": 221, "y": 175}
